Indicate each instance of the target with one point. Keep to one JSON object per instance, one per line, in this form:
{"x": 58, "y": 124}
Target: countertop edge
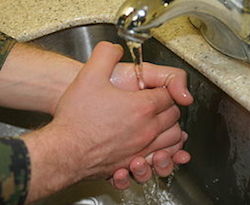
{"x": 178, "y": 35}
{"x": 232, "y": 76}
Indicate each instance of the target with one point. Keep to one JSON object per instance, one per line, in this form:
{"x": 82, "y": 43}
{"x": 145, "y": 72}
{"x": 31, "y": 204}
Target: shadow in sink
{"x": 218, "y": 128}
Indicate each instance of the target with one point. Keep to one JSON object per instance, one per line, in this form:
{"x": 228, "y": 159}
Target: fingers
{"x": 168, "y": 118}
{"x": 156, "y": 99}
{"x": 171, "y": 150}
{"x": 169, "y": 138}
{"x": 163, "y": 163}
{"x": 172, "y": 78}
{"x": 124, "y": 77}
{"x": 103, "y": 60}
{"x": 181, "y": 157}
{"x": 121, "y": 179}
{"x": 184, "y": 136}
{"x": 141, "y": 172}
{"x": 177, "y": 88}
{"x": 140, "y": 169}
{"x": 177, "y": 147}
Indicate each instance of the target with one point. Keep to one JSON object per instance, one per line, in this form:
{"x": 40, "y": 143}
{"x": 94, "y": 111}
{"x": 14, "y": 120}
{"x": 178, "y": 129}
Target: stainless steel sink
{"x": 219, "y": 130}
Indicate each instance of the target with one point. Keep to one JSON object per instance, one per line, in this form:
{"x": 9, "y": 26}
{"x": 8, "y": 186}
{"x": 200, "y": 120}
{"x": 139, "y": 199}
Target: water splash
{"x": 153, "y": 192}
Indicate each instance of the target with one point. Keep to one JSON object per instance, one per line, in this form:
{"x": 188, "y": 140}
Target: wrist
{"x": 55, "y": 161}
{"x": 59, "y": 82}
{"x": 34, "y": 79}
{"x": 47, "y": 174}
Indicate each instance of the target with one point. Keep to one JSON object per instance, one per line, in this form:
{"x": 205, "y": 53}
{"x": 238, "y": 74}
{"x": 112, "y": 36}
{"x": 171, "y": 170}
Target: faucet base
{"x": 219, "y": 36}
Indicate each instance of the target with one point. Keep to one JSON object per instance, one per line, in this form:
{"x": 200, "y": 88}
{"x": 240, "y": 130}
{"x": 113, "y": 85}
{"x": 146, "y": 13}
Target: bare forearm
{"x": 51, "y": 164}
{"x": 34, "y": 79}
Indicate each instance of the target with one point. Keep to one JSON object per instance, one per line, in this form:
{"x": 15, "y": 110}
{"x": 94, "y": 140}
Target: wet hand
{"x": 163, "y": 161}
{"x": 105, "y": 119}
{"x": 174, "y": 79}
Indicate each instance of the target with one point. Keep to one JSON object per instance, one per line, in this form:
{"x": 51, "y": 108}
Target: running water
{"x": 136, "y": 53}
{"x": 154, "y": 191}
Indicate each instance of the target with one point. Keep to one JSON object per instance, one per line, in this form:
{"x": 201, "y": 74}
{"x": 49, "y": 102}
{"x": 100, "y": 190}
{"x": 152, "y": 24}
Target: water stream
{"x": 136, "y": 53}
{"x": 154, "y": 191}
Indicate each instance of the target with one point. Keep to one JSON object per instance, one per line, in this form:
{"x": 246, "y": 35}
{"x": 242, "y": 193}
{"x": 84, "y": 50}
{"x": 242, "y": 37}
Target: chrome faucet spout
{"x": 225, "y": 24}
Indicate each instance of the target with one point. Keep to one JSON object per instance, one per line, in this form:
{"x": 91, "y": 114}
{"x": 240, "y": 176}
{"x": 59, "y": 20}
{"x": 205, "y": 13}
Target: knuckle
{"x": 168, "y": 101}
{"x": 147, "y": 64}
{"x": 173, "y": 114}
{"x": 104, "y": 43}
{"x": 150, "y": 107}
{"x": 147, "y": 108}
{"x": 176, "y": 112}
{"x": 154, "y": 131}
{"x": 165, "y": 93}
{"x": 149, "y": 132}
{"x": 182, "y": 72}
{"x": 177, "y": 132}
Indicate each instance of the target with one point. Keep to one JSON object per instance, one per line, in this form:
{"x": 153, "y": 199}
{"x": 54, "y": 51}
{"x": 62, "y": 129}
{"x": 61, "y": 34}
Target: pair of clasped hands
{"x": 105, "y": 127}
{"x": 128, "y": 129}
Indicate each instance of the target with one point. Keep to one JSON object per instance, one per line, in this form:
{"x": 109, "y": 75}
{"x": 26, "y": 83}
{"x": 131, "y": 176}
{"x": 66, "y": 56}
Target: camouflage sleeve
{"x": 6, "y": 44}
{"x": 14, "y": 171}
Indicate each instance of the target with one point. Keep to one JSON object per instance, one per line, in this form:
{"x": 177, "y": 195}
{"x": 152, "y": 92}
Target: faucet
{"x": 225, "y": 24}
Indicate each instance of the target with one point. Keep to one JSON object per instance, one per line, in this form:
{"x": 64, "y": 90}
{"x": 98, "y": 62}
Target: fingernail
{"x": 163, "y": 163}
{"x": 186, "y": 93}
{"x": 141, "y": 170}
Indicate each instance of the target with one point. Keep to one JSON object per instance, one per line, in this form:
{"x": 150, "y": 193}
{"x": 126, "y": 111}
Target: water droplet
{"x": 216, "y": 180}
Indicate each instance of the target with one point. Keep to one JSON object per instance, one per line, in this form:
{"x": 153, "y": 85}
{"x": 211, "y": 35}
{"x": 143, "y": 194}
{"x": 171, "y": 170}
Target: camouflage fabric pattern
{"x": 14, "y": 171}
{"x": 14, "y": 159}
{"x": 6, "y": 44}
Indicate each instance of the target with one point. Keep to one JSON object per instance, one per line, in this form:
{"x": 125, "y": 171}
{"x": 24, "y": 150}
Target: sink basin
{"x": 218, "y": 126}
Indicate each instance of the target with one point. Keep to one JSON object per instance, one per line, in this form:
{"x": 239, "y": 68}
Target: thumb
{"x": 103, "y": 60}
{"x": 173, "y": 78}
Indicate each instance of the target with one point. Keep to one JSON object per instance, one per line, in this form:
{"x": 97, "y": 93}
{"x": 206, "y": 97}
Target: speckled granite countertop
{"x": 29, "y": 19}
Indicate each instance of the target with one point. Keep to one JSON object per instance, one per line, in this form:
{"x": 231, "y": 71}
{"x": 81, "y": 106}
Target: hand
{"x": 139, "y": 116}
{"x": 174, "y": 79}
{"x": 162, "y": 161}
{"x": 98, "y": 128}
{"x": 155, "y": 76}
